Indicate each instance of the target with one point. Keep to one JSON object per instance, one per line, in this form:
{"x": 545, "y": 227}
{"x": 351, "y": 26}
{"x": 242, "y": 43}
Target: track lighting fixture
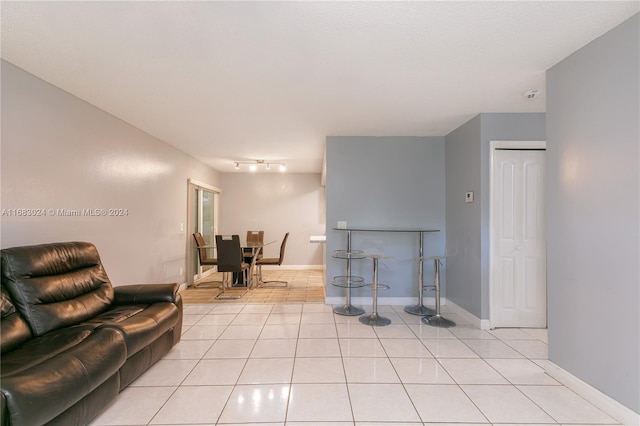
{"x": 253, "y": 165}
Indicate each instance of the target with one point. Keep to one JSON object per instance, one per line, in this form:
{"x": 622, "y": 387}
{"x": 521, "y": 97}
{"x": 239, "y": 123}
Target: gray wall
{"x": 59, "y": 152}
{"x": 464, "y": 232}
{"x": 593, "y": 213}
{"x": 467, "y": 169}
{"x": 385, "y": 182}
{"x": 276, "y": 203}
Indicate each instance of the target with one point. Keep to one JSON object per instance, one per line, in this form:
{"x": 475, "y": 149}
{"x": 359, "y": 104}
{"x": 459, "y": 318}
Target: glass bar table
{"x": 348, "y": 281}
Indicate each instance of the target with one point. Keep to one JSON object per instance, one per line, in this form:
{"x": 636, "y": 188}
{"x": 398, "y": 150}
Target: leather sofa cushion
{"x": 40, "y": 349}
{"x": 85, "y": 410}
{"x": 56, "y": 285}
{"x": 47, "y": 375}
{"x": 139, "y": 324}
{"x": 13, "y": 329}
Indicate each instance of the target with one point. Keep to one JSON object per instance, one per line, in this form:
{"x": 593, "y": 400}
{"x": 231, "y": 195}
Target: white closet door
{"x": 519, "y": 285}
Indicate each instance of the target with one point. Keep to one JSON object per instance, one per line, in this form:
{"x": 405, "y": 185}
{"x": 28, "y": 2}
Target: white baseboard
{"x": 368, "y": 301}
{"x": 404, "y": 301}
{"x": 604, "y": 402}
{"x": 292, "y": 267}
{"x": 607, "y": 404}
{"x": 205, "y": 274}
{"x": 482, "y": 324}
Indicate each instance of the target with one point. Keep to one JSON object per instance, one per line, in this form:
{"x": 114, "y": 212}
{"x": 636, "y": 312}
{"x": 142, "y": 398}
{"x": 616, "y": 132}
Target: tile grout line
{"x": 402, "y": 383}
{"x": 344, "y": 369}
{"x": 379, "y": 338}
{"x": 293, "y": 369}
{"x": 234, "y": 386}
{"x": 510, "y": 383}
{"x": 186, "y": 375}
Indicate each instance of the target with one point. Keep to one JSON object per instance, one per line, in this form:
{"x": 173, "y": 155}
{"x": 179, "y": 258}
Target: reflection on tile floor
{"x": 294, "y": 364}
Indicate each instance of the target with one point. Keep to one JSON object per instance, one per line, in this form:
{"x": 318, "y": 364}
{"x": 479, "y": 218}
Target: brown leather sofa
{"x": 71, "y": 341}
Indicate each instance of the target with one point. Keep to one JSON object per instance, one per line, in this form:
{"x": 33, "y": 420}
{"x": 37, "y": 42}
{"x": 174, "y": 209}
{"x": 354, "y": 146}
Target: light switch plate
{"x": 468, "y": 197}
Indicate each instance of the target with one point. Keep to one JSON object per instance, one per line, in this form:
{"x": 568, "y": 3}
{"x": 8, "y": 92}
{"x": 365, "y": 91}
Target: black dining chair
{"x": 274, "y": 261}
{"x": 230, "y": 260}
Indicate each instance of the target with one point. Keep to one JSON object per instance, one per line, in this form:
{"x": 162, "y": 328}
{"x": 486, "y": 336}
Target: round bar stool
{"x": 373, "y": 318}
{"x": 420, "y": 309}
{"x": 437, "y": 320}
{"x": 348, "y": 281}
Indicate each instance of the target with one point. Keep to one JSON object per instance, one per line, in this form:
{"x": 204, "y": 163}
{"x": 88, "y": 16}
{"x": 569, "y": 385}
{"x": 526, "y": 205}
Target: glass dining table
{"x": 247, "y": 246}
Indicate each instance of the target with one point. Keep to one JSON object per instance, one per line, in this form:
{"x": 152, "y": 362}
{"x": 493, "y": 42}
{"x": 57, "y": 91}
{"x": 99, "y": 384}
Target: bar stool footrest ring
{"x": 380, "y": 286}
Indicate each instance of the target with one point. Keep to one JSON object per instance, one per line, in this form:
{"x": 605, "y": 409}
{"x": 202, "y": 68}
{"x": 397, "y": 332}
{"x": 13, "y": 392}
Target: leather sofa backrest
{"x": 13, "y": 329}
{"x": 56, "y": 285}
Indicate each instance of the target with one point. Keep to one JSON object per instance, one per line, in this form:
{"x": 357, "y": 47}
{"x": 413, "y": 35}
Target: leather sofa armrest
{"x": 146, "y": 293}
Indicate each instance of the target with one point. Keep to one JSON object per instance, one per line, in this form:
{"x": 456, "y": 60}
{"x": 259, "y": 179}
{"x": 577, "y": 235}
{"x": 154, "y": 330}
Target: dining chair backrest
{"x": 282, "y": 248}
{"x": 230, "y": 257}
{"x": 202, "y": 251}
{"x": 273, "y": 261}
{"x": 255, "y": 237}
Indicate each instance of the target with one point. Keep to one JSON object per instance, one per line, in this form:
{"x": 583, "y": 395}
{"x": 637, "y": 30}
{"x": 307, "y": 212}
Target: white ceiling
{"x": 228, "y": 81}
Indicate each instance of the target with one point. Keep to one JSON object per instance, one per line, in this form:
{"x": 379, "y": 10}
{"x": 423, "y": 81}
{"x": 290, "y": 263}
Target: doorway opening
{"x": 517, "y": 275}
{"x": 203, "y": 205}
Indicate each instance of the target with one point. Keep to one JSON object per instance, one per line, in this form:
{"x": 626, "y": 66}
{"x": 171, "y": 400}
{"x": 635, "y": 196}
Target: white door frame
{"x": 193, "y": 184}
{"x": 492, "y": 281}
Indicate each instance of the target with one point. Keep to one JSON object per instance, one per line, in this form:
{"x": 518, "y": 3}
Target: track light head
{"x": 253, "y": 165}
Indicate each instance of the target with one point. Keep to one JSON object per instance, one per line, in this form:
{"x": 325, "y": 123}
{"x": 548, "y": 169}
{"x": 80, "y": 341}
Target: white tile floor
{"x": 299, "y": 364}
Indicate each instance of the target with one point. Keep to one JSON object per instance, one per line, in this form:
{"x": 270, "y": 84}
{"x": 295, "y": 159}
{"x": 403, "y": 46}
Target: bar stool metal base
{"x": 438, "y": 321}
{"x": 348, "y": 310}
{"x": 374, "y": 320}
{"x": 419, "y": 309}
